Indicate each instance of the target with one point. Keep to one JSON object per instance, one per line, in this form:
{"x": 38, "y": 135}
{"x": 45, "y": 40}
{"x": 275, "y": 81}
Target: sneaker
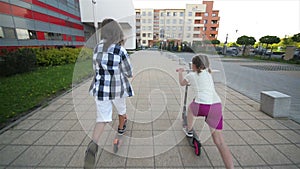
{"x": 90, "y": 155}
{"x": 188, "y": 133}
{"x": 122, "y": 131}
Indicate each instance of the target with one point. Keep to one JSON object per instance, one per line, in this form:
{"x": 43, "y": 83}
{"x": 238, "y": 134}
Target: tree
{"x": 296, "y": 37}
{"x": 215, "y": 42}
{"x": 269, "y": 40}
{"x": 245, "y": 41}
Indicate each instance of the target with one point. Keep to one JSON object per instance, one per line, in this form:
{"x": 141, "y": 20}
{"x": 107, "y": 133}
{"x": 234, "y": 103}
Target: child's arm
{"x": 182, "y": 81}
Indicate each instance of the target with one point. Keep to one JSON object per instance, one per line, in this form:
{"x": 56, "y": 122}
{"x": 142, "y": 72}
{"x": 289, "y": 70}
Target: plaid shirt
{"x": 112, "y": 70}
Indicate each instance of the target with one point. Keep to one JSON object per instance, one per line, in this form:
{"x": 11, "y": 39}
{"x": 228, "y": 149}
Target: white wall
{"x": 121, "y": 10}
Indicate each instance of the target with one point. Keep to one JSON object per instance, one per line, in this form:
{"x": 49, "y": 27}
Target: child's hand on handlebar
{"x": 180, "y": 70}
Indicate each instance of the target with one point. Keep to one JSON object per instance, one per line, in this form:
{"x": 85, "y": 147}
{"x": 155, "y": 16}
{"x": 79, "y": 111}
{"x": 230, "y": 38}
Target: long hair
{"x": 201, "y": 62}
{"x": 111, "y": 32}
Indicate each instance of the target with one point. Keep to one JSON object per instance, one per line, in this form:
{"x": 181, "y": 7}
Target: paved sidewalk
{"x": 56, "y": 136}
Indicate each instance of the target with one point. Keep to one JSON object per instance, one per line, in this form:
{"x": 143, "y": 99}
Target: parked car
{"x": 232, "y": 51}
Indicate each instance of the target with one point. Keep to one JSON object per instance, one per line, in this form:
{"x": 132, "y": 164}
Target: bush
{"x": 19, "y": 61}
{"x": 55, "y": 57}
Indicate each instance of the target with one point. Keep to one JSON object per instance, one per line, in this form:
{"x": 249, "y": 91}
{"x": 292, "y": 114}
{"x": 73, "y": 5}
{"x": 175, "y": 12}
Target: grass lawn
{"x": 23, "y": 92}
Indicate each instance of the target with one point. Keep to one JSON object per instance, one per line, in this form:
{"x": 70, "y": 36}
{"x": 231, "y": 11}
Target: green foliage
{"x": 245, "y": 40}
{"x": 54, "y": 57}
{"x": 215, "y": 42}
{"x": 19, "y": 61}
{"x": 296, "y": 37}
{"x": 269, "y": 39}
{"x": 23, "y": 92}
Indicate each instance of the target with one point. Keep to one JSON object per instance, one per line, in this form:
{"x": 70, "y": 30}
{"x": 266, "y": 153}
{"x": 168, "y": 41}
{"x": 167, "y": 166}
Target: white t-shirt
{"x": 203, "y": 86}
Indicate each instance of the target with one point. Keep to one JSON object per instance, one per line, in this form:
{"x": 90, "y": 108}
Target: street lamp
{"x": 95, "y": 21}
{"x": 224, "y": 48}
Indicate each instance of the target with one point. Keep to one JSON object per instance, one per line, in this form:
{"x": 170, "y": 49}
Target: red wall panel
{"x": 79, "y": 38}
{"x": 21, "y": 12}
{"x": 40, "y": 35}
{"x": 5, "y": 8}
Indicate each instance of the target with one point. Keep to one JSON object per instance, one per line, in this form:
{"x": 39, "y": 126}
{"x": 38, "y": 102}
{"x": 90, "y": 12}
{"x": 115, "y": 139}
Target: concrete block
{"x": 275, "y": 104}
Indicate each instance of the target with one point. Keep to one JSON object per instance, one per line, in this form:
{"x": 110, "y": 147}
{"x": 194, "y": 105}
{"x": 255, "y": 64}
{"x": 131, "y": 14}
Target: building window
{"x": 205, "y": 21}
{"x": 188, "y": 35}
{"x": 32, "y": 34}
{"x": 9, "y": 33}
{"x": 196, "y": 36}
{"x": 168, "y": 21}
{"x": 174, "y": 13}
{"x": 190, "y": 14}
{"x": 144, "y": 13}
{"x": 149, "y": 35}
{"x": 180, "y": 21}
{"x": 168, "y": 13}
{"x": 189, "y": 28}
{"x": 205, "y": 14}
{"x": 149, "y": 28}
{"x": 144, "y": 35}
{"x": 162, "y": 14}
{"x": 162, "y": 21}
{"x": 1, "y": 33}
{"x": 149, "y": 13}
{"x": 55, "y": 36}
{"x": 204, "y": 28}
{"x": 181, "y": 14}
{"x": 22, "y": 34}
{"x": 180, "y": 28}
{"x": 144, "y": 41}
{"x": 143, "y": 28}
{"x": 174, "y": 21}
{"x": 149, "y": 20}
{"x": 143, "y": 20}
{"x": 213, "y": 15}
{"x": 214, "y": 22}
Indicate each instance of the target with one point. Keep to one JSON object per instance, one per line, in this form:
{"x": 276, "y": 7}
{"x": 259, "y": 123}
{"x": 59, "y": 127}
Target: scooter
{"x": 193, "y": 141}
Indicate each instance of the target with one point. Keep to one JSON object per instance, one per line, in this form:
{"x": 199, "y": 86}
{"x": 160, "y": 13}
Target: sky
{"x": 255, "y": 18}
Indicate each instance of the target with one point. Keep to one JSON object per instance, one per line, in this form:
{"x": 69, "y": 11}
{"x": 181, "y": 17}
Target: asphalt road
{"x": 251, "y": 77}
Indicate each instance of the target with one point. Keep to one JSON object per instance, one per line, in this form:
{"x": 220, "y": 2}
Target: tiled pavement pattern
{"x": 55, "y": 136}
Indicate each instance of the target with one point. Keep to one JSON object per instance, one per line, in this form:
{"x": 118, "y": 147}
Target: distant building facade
{"x": 47, "y": 23}
{"x": 121, "y": 10}
{"x": 196, "y": 22}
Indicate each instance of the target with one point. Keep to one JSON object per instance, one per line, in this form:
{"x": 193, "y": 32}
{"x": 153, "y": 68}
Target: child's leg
{"x": 122, "y": 119}
{"x": 223, "y": 148}
{"x": 120, "y": 105}
{"x": 190, "y": 120}
{"x": 98, "y": 130}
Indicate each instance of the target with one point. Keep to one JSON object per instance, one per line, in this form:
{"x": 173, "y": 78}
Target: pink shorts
{"x": 213, "y": 113}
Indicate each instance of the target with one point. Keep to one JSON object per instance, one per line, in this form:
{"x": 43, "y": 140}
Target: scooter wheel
{"x": 197, "y": 147}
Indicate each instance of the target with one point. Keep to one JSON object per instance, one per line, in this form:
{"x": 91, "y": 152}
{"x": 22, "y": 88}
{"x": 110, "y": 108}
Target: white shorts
{"x": 104, "y": 109}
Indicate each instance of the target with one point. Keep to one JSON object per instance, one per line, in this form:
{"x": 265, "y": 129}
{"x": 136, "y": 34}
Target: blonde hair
{"x": 201, "y": 62}
{"x": 112, "y": 32}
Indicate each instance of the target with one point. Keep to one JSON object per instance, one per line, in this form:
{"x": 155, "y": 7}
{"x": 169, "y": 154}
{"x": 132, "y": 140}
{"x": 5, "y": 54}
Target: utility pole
{"x": 224, "y": 48}
{"x": 95, "y": 21}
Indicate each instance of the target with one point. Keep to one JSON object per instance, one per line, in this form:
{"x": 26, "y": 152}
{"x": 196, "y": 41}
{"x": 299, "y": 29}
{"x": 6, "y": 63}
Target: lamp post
{"x": 95, "y": 21}
{"x": 224, "y": 48}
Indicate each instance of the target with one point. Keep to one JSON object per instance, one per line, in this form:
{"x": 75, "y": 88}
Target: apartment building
{"x": 27, "y": 23}
{"x": 196, "y": 22}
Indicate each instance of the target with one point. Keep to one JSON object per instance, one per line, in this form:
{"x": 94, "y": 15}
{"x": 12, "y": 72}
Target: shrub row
{"x": 19, "y": 61}
{"x": 27, "y": 59}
